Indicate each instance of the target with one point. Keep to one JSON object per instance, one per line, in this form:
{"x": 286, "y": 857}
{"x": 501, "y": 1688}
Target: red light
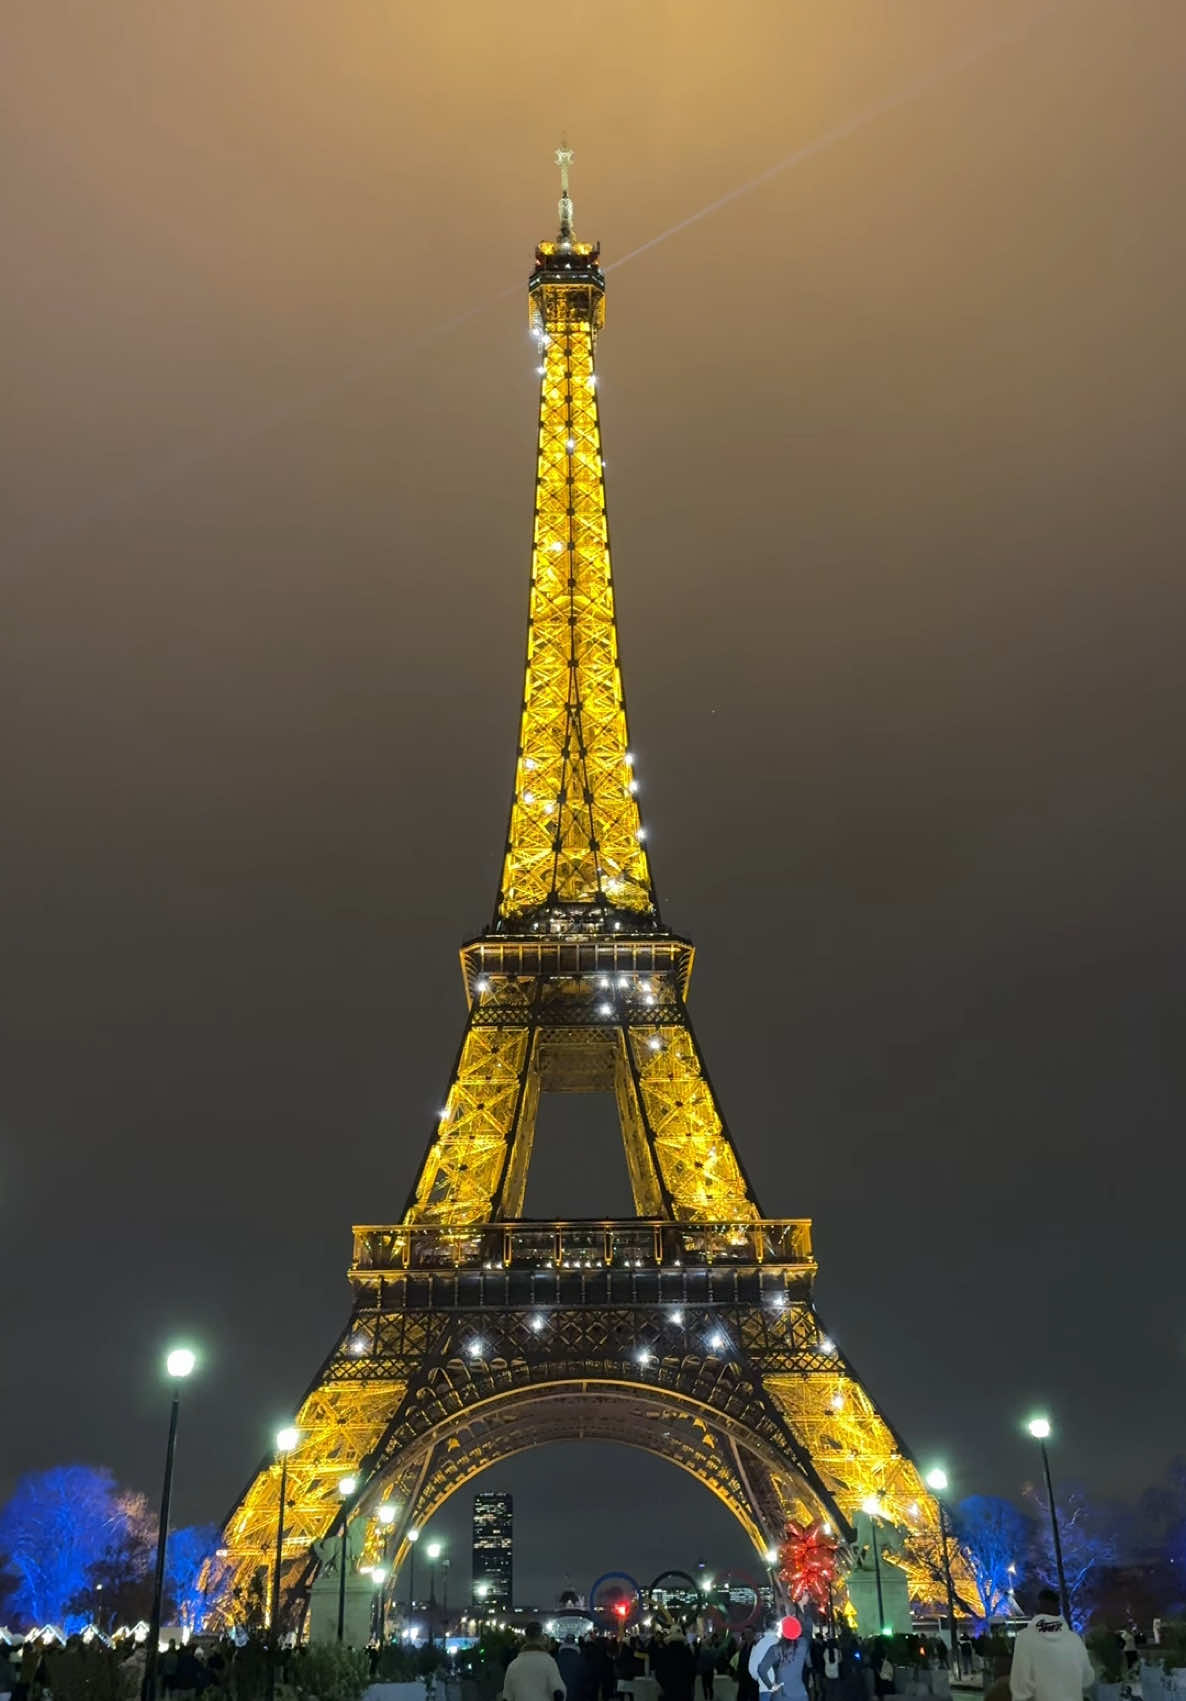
{"x": 621, "y": 1608}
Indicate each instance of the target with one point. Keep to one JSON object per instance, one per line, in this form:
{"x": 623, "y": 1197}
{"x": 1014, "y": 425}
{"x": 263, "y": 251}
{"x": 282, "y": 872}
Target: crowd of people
{"x": 685, "y": 1662}
{"x": 794, "y": 1660}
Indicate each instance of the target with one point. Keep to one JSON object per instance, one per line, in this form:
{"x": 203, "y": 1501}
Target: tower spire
{"x": 564, "y": 160}
{"x": 575, "y": 853}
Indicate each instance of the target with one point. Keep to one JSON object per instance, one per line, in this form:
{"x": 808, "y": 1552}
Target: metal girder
{"x": 627, "y": 1033}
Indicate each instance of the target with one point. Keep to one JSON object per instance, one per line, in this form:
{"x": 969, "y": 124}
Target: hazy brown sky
{"x": 894, "y": 450}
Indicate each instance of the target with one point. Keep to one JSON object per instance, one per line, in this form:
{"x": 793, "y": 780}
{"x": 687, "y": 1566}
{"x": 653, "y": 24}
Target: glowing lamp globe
{"x": 287, "y": 1438}
{"x": 180, "y": 1362}
{"x": 1039, "y": 1428}
{"x": 937, "y": 1479}
{"x": 872, "y": 1505}
{"x": 387, "y": 1513}
{"x": 434, "y": 1550}
{"x": 346, "y": 1486}
{"x": 413, "y": 1535}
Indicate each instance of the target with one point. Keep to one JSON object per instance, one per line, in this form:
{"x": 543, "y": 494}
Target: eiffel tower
{"x": 688, "y": 1329}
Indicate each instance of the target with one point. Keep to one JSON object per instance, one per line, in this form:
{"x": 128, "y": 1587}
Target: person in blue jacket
{"x": 779, "y": 1660}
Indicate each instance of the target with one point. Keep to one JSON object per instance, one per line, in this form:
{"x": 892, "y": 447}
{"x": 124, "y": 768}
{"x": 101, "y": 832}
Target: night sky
{"x": 894, "y": 449}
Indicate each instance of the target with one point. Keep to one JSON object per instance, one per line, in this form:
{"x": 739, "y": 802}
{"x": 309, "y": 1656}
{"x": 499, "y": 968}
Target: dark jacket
{"x": 674, "y": 1665}
{"x": 576, "y": 1672}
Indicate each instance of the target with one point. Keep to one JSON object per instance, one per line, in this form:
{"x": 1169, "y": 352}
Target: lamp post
{"x": 386, "y": 1517}
{"x": 178, "y": 1365}
{"x": 346, "y": 1488}
{"x": 413, "y": 1538}
{"x": 937, "y": 1481}
{"x": 771, "y": 1557}
{"x": 872, "y": 1507}
{"x": 1039, "y": 1428}
{"x": 434, "y": 1553}
{"x": 286, "y": 1440}
{"x": 379, "y": 1579}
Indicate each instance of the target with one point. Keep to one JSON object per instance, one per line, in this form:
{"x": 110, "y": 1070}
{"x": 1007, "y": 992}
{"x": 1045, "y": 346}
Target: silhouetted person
{"x": 575, "y": 1669}
{"x": 706, "y": 1665}
{"x": 168, "y": 1667}
{"x": 674, "y": 1666}
{"x": 747, "y": 1684}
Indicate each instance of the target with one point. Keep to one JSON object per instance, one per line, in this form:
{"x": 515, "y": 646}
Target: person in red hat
{"x": 779, "y": 1660}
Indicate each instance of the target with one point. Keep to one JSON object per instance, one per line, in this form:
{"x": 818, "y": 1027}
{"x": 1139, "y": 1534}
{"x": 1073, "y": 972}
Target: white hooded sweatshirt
{"x": 1050, "y": 1663}
{"x": 533, "y": 1675}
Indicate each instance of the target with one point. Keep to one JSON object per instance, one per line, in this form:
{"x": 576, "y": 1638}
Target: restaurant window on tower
{"x": 494, "y": 1516}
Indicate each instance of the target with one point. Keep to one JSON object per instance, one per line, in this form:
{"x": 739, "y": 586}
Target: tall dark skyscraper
{"x": 493, "y": 1556}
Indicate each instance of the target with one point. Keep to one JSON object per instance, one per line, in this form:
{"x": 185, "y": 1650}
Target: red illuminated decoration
{"x": 807, "y": 1563}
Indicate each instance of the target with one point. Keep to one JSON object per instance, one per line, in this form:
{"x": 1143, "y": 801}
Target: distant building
{"x": 493, "y": 1553}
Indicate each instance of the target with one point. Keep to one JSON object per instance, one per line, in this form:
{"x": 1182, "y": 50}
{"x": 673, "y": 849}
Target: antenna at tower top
{"x": 564, "y": 160}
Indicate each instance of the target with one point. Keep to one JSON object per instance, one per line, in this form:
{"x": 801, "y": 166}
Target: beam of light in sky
{"x": 300, "y": 407}
{"x": 839, "y": 133}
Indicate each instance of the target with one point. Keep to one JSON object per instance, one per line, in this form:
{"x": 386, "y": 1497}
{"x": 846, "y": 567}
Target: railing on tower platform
{"x": 632, "y": 1243}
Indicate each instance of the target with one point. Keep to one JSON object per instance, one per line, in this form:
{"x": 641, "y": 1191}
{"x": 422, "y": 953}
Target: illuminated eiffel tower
{"x": 688, "y": 1329}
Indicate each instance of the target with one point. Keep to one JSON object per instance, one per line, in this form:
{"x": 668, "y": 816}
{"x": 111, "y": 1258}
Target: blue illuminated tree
{"x": 1090, "y": 1541}
{"x": 185, "y": 1557}
{"x": 56, "y": 1528}
{"x": 996, "y": 1537}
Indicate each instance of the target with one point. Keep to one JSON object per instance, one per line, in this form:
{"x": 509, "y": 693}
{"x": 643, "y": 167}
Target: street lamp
{"x": 434, "y": 1553}
{"x": 937, "y": 1481}
{"x": 286, "y": 1440}
{"x": 178, "y": 1365}
{"x": 379, "y": 1579}
{"x": 1039, "y": 1428}
{"x": 413, "y": 1538}
{"x": 346, "y": 1488}
{"x": 872, "y": 1507}
{"x": 386, "y": 1517}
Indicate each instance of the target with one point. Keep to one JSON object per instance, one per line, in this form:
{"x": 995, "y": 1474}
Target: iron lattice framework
{"x": 687, "y": 1330}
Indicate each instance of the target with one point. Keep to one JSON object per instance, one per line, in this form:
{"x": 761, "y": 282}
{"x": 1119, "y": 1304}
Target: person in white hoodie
{"x": 533, "y": 1674}
{"x": 1050, "y": 1662}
